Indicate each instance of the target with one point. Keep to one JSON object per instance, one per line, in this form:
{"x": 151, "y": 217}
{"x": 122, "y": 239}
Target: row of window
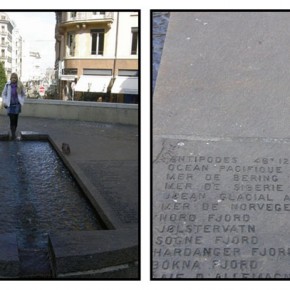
{"x": 4, "y": 32}
{"x": 98, "y": 40}
{"x": 3, "y": 55}
{"x": 74, "y": 14}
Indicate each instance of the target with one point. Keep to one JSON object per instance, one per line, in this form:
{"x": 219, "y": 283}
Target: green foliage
{"x": 3, "y": 78}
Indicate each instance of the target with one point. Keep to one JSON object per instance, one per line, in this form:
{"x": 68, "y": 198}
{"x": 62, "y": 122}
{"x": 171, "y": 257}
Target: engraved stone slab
{"x": 221, "y": 208}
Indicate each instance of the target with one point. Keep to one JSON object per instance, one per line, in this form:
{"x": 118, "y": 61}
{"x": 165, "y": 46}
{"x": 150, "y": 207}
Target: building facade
{"x": 17, "y": 52}
{"x": 97, "y": 55}
{"x": 6, "y": 31}
{"x": 11, "y": 46}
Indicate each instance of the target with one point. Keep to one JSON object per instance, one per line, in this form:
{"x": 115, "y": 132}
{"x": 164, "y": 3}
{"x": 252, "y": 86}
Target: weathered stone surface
{"x": 221, "y": 151}
{"x": 222, "y": 209}
{"x": 111, "y": 179}
{"x": 9, "y": 261}
{"x": 93, "y": 250}
{"x": 224, "y": 74}
{"x": 30, "y": 135}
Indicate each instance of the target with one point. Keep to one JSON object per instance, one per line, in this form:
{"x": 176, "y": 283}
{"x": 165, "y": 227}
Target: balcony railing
{"x": 83, "y": 16}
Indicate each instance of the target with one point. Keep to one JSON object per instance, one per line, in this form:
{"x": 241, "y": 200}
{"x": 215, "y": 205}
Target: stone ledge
{"x": 9, "y": 261}
{"x": 82, "y": 104}
{"x": 31, "y": 135}
{"x": 89, "y": 251}
{"x": 127, "y": 271}
{"x": 116, "y": 113}
{"x": 4, "y": 136}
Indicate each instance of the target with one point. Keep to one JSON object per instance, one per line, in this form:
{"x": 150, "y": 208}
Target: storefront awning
{"x": 94, "y": 84}
{"x": 125, "y": 85}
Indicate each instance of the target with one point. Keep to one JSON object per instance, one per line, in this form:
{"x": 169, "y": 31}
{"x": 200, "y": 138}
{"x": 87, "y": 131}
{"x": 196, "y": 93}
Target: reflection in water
{"x": 38, "y": 195}
{"x": 160, "y": 23}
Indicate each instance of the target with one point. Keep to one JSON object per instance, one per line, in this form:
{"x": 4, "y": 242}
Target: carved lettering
{"x": 222, "y": 210}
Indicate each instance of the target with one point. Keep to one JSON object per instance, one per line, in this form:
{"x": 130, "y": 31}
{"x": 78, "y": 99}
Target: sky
{"x": 37, "y": 29}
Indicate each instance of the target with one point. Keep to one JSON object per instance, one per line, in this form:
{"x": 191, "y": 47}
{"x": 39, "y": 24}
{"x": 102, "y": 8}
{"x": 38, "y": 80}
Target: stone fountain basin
{"x": 109, "y": 253}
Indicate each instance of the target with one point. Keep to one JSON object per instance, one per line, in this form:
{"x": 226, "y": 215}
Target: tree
{"x": 3, "y": 78}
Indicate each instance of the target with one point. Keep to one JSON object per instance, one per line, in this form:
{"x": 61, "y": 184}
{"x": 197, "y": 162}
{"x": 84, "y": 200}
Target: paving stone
{"x": 222, "y": 209}
{"x": 224, "y": 74}
{"x": 117, "y": 182}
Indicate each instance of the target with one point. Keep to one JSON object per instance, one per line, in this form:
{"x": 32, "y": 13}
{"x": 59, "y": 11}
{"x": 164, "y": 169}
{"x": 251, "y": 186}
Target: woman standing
{"x": 13, "y": 98}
